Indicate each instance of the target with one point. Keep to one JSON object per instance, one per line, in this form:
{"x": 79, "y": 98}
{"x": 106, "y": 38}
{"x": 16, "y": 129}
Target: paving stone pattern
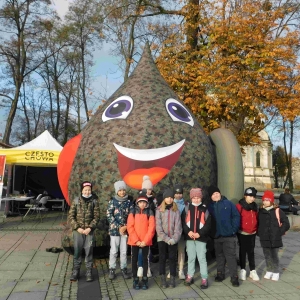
{"x": 27, "y": 271}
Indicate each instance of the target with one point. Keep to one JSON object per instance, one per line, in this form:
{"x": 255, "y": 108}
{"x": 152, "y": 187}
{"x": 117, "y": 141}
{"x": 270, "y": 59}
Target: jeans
{"x": 116, "y": 243}
{"x": 196, "y": 249}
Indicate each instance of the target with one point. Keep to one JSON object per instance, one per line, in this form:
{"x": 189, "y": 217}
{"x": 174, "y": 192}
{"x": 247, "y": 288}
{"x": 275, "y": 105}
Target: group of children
{"x": 180, "y": 224}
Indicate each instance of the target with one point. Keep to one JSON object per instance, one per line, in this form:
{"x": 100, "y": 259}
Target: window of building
{"x": 257, "y": 159}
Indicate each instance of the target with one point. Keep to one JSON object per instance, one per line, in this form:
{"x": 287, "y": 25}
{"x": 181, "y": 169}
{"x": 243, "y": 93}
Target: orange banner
{"x": 2, "y": 167}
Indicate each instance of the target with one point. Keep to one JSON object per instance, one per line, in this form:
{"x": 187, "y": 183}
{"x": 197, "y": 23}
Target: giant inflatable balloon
{"x": 144, "y": 129}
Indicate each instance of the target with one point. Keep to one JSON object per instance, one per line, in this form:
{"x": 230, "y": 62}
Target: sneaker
{"x": 89, "y": 275}
{"x": 188, "y": 280}
{"x": 74, "y": 275}
{"x": 235, "y": 281}
{"x": 169, "y": 275}
{"x": 253, "y": 275}
{"x": 149, "y": 273}
{"x": 204, "y": 284}
{"x": 243, "y": 274}
{"x": 140, "y": 272}
{"x": 135, "y": 284}
{"x": 275, "y": 276}
{"x": 145, "y": 283}
{"x": 112, "y": 274}
{"x": 220, "y": 277}
{"x": 268, "y": 275}
{"x": 181, "y": 275}
{"x": 125, "y": 273}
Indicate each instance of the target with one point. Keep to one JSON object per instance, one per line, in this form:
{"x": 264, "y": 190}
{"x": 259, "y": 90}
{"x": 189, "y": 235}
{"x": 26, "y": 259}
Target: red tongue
{"x": 135, "y": 178}
{"x": 132, "y": 171}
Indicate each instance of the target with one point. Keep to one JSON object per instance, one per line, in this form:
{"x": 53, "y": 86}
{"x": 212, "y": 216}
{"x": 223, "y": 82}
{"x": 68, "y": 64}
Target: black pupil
{"x": 180, "y": 112}
{"x": 118, "y": 108}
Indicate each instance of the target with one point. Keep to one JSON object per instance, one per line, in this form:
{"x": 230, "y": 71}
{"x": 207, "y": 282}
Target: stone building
{"x": 258, "y": 166}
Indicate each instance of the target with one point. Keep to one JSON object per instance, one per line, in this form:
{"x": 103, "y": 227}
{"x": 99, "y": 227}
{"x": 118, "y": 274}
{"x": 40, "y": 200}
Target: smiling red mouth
{"x": 156, "y": 163}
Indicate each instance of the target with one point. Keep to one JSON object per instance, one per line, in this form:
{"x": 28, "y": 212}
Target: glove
{"x": 171, "y": 242}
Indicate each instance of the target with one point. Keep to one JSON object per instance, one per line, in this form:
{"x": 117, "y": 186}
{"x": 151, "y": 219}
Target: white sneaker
{"x": 275, "y": 276}
{"x": 268, "y": 275}
{"x": 243, "y": 274}
{"x": 253, "y": 275}
{"x": 169, "y": 275}
{"x": 149, "y": 274}
{"x": 181, "y": 274}
{"x": 140, "y": 272}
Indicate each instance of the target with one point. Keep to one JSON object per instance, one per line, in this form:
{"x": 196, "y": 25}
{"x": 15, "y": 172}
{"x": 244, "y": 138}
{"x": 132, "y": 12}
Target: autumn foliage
{"x": 237, "y": 67}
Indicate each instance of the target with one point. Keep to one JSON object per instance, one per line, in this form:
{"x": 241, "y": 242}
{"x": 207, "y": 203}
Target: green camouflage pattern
{"x": 148, "y": 126}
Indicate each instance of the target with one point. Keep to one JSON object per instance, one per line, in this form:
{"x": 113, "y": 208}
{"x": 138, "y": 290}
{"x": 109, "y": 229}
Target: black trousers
{"x": 163, "y": 247}
{"x": 225, "y": 249}
{"x": 134, "y": 259}
{"x": 247, "y": 245}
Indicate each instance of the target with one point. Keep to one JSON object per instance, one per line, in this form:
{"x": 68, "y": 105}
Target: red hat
{"x": 268, "y": 195}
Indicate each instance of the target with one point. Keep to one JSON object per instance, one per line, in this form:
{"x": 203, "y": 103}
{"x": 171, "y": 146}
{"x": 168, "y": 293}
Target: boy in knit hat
{"x": 272, "y": 225}
{"x": 83, "y": 217}
{"x": 117, "y": 214}
{"x": 196, "y": 223}
{"x": 225, "y": 224}
{"x": 141, "y": 229}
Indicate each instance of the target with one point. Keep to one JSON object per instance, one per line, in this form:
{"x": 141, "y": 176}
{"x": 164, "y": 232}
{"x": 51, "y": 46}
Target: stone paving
{"x": 27, "y": 271}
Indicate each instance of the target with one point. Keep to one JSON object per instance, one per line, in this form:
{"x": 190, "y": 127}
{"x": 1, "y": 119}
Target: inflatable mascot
{"x": 144, "y": 129}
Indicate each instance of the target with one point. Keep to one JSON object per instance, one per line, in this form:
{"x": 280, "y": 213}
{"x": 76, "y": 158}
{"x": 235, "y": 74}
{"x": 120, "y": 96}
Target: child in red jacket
{"x": 141, "y": 229}
{"x": 248, "y": 210}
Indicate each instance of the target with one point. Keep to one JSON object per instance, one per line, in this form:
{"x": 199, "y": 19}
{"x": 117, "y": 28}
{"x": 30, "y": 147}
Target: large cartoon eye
{"x": 118, "y": 109}
{"x": 178, "y": 112}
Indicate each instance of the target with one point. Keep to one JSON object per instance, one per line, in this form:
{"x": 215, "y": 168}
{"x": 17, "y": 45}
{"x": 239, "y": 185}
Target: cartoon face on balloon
{"x": 143, "y": 129}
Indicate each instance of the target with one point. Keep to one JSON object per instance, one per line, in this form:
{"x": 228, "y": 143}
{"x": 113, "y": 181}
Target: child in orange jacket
{"x": 141, "y": 229}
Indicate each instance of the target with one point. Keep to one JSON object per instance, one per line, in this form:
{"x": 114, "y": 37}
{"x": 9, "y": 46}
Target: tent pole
{"x": 9, "y": 174}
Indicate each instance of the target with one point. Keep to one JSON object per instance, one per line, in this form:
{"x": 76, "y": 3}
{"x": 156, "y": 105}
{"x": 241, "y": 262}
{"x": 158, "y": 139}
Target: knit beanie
{"x": 212, "y": 189}
{"x": 147, "y": 184}
{"x": 168, "y": 193}
{"x": 86, "y": 183}
{"x": 268, "y": 195}
{"x": 142, "y": 196}
{"x": 120, "y": 185}
{"x": 195, "y": 192}
{"x": 178, "y": 189}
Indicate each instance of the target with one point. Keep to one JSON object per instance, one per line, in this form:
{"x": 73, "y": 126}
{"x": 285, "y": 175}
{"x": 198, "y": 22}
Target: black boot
{"x": 89, "y": 276}
{"x": 235, "y": 281}
{"x": 74, "y": 275}
{"x": 220, "y": 277}
{"x": 172, "y": 282}
{"x": 136, "y": 285}
{"x": 145, "y": 283}
{"x": 163, "y": 281}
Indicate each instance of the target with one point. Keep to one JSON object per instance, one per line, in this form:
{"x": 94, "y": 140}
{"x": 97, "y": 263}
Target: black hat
{"x": 86, "y": 183}
{"x": 178, "y": 189}
{"x": 251, "y": 191}
{"x": 212, "y": 189}
{"x": 168, "y": 193}
{"x": 142, "y": 196}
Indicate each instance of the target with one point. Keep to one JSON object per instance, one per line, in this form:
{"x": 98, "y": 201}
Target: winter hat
{"x": 178, "y": 189}
{"x": 251, "y": 191}
{"x": 168, "y": 193}
{"x": 195, "y": 192}
{"x": 268, "y": 195}
{"x": 86, "y": 183}
{"x": 147, "y": 184}
{"x": 212, "y": 189}
{"x": 142, "y": 196}
{"x": 120, "y": 185}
